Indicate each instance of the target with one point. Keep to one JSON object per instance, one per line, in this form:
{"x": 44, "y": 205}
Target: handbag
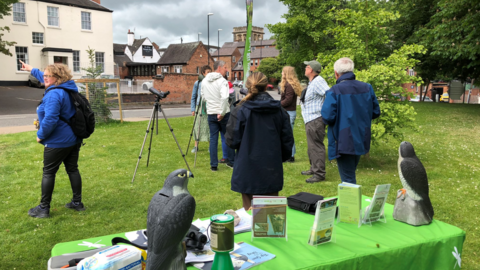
{"x": 304, "y": 201}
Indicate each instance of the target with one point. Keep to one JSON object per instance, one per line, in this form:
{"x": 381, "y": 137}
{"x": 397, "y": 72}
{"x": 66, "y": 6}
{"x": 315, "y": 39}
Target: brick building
{"x": 240, "y": 33}
{"x": 184, "y": 58}
{"x": 230, "y": 56}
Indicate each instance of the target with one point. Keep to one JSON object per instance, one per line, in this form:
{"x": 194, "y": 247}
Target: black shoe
{"x": 39, "y": 212}
{"x": 223, "y": 160}
{"x": 214, "y": 169}
{"x": 315, "y": 179}
{"x": 309, "y": 172}
{"x": 75, "y": 205}
{"x": 230, "y": 165}
{"x": 291, "y": 160}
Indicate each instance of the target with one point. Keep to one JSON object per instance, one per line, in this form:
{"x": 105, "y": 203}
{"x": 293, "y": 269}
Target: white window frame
{"x": 86, "y": 20}
{"x": 37, "y": 38}
{"x": 52, "y": 16}
{"x": 411, "y": 72}
{"x": 76, "y": 61}
{"x": 100, "y": 60}
{"x": 165, "y": 69}
{"x": 240, "y": 63}
{"x": 198, "y": 70}
{"x": 178, "y": 68}
{"x": 19, "y": 14}
{"x": 256, "y": 62}
{"x": 21, "y": 54}
{"x": 251, "y": 62}
{"x": 234, "y": 59}
{"x": 228, "y": 74}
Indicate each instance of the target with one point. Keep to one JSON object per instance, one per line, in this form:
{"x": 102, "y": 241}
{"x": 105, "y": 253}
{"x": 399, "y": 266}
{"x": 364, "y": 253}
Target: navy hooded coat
{"x": 260, "y": 130}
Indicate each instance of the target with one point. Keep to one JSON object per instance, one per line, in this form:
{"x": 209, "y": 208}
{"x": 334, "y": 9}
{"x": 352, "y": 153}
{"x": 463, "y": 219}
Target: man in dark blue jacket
{"x": 348, "y": 110}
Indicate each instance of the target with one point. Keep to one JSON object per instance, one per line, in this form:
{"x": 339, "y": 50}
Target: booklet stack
{"x": 245, "y": 257}
{"x": 374, "y": 211}
{"x": 324, "y": 222}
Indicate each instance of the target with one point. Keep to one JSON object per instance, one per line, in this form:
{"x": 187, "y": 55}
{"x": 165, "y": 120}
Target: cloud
{"x": 165, "y": 22}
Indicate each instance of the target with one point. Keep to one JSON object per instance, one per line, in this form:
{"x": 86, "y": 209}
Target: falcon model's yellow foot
{"x": 404, "y": 191}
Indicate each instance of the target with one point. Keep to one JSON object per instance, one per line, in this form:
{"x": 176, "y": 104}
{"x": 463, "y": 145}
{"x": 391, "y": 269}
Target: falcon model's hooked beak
{"x": 189, "y": 174}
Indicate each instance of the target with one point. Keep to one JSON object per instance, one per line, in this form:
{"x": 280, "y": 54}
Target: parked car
{"x": 445, "y": 97}
{"x": 33, "y": 82}
{"x": 269, "y": 87}
{"x": 147, "y": 85}
{"x": 417, "y": 99}
{"x": 238, "y": 83}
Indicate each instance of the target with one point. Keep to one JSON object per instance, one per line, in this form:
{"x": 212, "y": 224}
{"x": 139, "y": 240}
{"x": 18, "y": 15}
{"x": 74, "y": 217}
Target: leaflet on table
{"x": 374, "y": 211}
{"x": 205, "y": 255}
{"x": 269, "y": 216}
{"x": 349, "y": 203}
{"x": 322, "y": 229}
{"x": 244, "y": 225}
{"x": 247, "y": 256}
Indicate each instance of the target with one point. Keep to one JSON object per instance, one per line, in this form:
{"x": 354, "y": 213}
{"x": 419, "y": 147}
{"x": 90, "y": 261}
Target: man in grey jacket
{"x": 215, "y": 92}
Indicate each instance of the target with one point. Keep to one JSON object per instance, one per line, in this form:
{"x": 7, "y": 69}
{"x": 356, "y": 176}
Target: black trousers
{"x": 52, "y": 159}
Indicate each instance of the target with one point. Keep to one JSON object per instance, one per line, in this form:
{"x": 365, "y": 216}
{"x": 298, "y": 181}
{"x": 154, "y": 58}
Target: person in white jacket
{"x": 215, "y": 92}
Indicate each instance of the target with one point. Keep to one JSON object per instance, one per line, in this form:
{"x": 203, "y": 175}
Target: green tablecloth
{"x": 391, "y": 245}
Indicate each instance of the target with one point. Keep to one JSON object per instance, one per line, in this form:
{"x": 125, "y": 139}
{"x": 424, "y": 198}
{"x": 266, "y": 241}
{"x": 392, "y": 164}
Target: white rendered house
{"x": 56, "y": 31}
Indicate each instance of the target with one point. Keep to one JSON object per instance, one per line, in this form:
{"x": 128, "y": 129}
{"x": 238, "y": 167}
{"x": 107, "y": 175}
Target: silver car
{"x": 33, "y": 82}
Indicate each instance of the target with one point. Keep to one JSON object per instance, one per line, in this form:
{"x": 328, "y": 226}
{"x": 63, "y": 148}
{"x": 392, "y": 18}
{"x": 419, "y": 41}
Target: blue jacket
{"x": 54, "y": 132}
{"x": 348, "y": 110}
{"x": 195, "y": 95}
{"x": 260, "y": 130}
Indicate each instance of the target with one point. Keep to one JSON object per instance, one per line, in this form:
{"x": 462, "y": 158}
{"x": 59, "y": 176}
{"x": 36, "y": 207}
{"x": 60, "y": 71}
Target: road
{"x": 18, "y": 109}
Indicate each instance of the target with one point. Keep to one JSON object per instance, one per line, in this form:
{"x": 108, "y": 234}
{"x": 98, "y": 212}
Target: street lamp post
{"x": 218, "y": 49}
{"x": 199, "y": 36}
{"x": 208, "y": 35}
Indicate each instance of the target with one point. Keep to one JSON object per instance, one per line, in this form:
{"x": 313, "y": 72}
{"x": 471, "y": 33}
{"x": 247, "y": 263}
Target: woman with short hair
{"x": 260, "y": 130}
{"x": 61, "y": 144}
{"x": 290, "y": 88}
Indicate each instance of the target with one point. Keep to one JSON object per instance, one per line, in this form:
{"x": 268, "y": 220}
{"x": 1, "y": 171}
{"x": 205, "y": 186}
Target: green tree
{"x": 5, "y": 8}
{"x": 97, "y": 93}
{"x": 301, "y": 37}
{"x": 361, "y": 32}
{"x": 271, "y": 68}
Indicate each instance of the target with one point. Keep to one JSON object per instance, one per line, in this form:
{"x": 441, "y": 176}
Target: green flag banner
{"x": 246, "y": 53}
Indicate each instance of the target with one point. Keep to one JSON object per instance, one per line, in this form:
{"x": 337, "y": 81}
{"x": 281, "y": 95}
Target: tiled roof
{"x": 137, "y": 43}
{"x": 117, "y": 48}
{"x": 264, "y": 53}
{"x": 238, "y": 67}
{"x": 88, "y": 4}
{"x": 179, "y": 53}
{"x": 224, "y": 52}
{"x": 120, "y": 59}
{"x": 241, "y": 44}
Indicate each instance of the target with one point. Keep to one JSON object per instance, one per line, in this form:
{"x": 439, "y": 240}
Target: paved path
{"x": 17, "y": 109}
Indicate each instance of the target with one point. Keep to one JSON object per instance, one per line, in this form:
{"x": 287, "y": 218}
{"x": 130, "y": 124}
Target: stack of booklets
{"x": 349, "y": 203}
{"x": 245, "y": 257}
{"x": 375, "y": 210}
{"x": 324, "y": 222}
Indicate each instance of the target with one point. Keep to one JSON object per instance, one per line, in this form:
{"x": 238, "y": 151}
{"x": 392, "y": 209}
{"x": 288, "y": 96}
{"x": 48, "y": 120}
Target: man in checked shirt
{"x": 311, "y": 102}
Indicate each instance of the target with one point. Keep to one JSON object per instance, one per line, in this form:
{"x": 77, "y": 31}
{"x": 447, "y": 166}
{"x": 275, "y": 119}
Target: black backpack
{"x": 83, "y": 121}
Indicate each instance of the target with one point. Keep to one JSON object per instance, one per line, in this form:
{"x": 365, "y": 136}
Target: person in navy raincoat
{"x": 260, "y": 130}
{"x": 348, "y": 110}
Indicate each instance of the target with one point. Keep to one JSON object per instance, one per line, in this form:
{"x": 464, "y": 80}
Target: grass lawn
{"x": 448, "y": 145}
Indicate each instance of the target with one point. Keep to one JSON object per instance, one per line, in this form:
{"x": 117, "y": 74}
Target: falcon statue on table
{"x": 412, "y": 205}
{"x": 170, "y": 215}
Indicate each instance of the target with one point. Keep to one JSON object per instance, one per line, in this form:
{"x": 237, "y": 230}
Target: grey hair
{"x": 217, "y": 64}
{"x": 343, "y": 65}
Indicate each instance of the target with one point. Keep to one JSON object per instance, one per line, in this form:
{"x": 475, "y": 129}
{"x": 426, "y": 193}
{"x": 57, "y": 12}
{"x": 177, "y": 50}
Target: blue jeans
{"x": 293, "y": 115}
{"x": 347, "y": 165}
{"x": 215, "y": 127}
{"x": 224, "y": 146}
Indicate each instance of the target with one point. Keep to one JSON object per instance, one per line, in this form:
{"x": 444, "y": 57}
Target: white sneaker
{"x": 194, "y": 149}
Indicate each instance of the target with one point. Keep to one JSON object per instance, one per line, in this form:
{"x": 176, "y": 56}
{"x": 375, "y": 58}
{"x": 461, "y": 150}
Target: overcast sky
{"x": 166, "y": 21}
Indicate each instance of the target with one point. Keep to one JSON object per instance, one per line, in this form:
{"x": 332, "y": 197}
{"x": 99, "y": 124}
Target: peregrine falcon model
{"x": 413, "y": 204}
{"x": 170, "y": 215}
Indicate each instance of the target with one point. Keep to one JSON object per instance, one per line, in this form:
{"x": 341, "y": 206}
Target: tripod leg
{"x": 173, "y": 134}
{"x": 143, "y": 145}
{"x": 194, "y": 120}
{"x": 155, "y": 119}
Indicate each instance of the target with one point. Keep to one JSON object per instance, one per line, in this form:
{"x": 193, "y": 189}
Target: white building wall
{"x": 139, "y": 58}
{"x": 68, "y": 35}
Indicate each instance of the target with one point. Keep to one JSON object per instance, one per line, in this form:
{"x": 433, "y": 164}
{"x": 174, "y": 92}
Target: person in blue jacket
{"x": 348, "y": 110}
{"x": 259, "y": 128}
{"x": 61, "y": 144}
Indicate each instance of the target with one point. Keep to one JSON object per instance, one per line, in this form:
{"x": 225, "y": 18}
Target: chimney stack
{"x": 97, "y": 1}
{"x": 131, "y": 38}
